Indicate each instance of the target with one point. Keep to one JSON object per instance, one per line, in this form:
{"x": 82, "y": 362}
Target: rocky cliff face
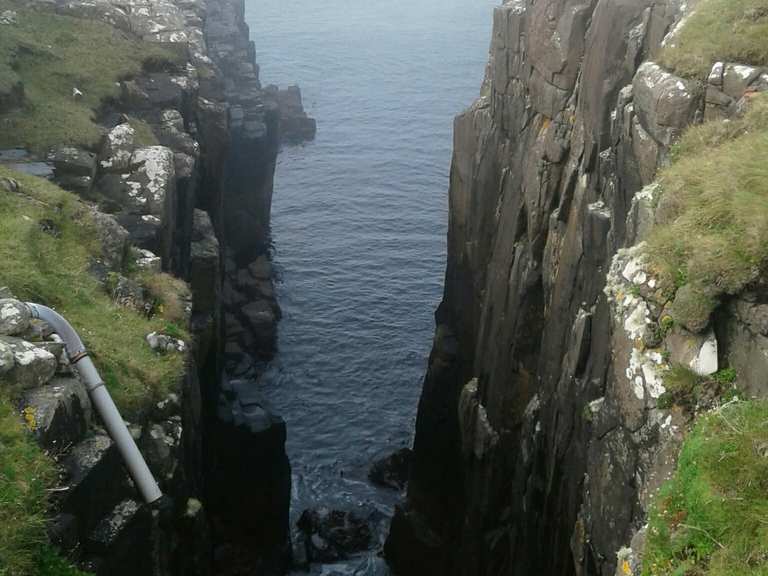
{"x": 184, "y": 176}
{"x": 539, "y": 439}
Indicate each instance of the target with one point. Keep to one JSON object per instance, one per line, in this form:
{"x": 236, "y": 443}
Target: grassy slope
{"x": 53, "y": 54}
{"x": 720, "y": 30}
{"x": 25, "y": 473}
{"x": 54, "y": 271}
{"x": 713, "y": 234}
{"x": 710, "y": 519}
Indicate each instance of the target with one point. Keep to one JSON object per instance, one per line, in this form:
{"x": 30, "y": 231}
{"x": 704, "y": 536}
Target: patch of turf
{"x": 54, "y": 54}
{"x": 710, "y": 519}
{"x": 719, "y": 30}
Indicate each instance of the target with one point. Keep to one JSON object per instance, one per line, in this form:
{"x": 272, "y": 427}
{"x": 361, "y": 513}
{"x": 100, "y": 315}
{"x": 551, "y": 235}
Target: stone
{"x": 8, "y": 17}
{"x": 149, "y": 261}
{"x": 7, "y": 360}
{"x": 9, "y": 185}
{"x": 114, "y": 239}
{"x": 128, "y": 293}
{"x": 164, "y": 344}
{"x": 699, "y": 352}
{"x": 332, "y": 535}
{"x": 737, "y": 78}
{"x": 14, "y": 317}
{"x": 32, "y": 366}
{"x": 95, "y": 479}
{"x": 664, "y": 103}
{"x": 261, "y": 268}
{"x": 159, "y": 449}
{"x": 68, "y": 160}
{"x": 117, "y": 149}
{"x": 58, "y": 414}
{"x": 392, "y": 471}
{"x": 477, "y": 435}
{"x": 295, "y": 125}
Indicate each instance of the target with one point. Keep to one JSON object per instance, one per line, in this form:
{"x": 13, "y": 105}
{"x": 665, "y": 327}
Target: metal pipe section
{"x": 102, "y": 402}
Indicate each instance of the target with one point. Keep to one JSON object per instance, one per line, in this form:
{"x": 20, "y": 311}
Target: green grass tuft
{"x": 713, "y": 214}
{"x": 710, "y": 518}
{"x": 25, "y": 473}
{"x": 54, "y": 271}
{"x": 720, "y": 30}
{"x": 52, "y": 54}
{"x": 145, "y": 136}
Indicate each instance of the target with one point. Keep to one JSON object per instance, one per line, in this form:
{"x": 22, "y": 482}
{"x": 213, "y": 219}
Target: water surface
{"x": 359, "y": 222}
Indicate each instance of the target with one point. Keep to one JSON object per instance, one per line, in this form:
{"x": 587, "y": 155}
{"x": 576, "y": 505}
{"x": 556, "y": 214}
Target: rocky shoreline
{"x": 195, "y": 201}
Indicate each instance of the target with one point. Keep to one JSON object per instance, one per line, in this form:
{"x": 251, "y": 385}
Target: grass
{"x": 688, "y": 390}
{"x": 52, "y": 54}
{"x": 720, "y": 30}
{"x": 710, "y": 518}
{"x": 713, "y": 234}
{"x": 170, "y": 296}
{"x": 145, "y": 136}
{"x": 25, "y": 473}
{"x": 54, "y": 271}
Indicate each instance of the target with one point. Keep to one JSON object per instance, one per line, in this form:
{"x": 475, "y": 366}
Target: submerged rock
{"x": 332, "y": 535}
{"x": 392, "y": 471}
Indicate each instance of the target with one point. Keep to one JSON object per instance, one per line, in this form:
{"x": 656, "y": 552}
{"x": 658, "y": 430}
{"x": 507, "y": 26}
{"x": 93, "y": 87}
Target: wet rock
{"x": 392, "y": 471}
{"x": 32, "y": 366}
{"x": 332, "y": 535}
{"x": 14, "y": 317}
{"x": 58, "y": 414}
{"x": 295, "y": 125}
{"x": 251, "y": 483}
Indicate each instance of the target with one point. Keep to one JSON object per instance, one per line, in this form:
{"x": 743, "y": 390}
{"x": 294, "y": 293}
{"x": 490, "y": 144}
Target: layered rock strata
{"x": 539, "y": 439}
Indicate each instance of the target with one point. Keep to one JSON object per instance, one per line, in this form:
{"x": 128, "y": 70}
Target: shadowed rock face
{"x": 509, "y": 476}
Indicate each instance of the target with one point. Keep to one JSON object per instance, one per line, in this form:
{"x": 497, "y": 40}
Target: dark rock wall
{"x": 545, "y": 167}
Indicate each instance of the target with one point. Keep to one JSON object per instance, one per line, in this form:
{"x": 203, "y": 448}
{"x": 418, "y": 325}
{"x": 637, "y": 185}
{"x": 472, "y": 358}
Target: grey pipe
{"x": 102, "y": 402}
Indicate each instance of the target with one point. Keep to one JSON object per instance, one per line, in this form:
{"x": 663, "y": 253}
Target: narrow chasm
{"x": 577, "y": 220}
